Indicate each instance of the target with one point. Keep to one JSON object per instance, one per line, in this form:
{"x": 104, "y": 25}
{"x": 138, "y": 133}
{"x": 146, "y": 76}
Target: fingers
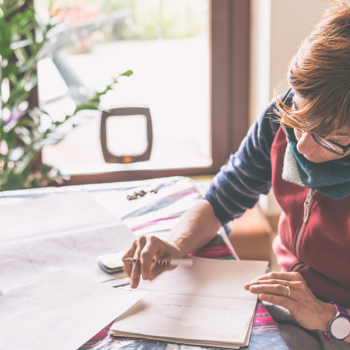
{"x": 145, "y": 250}
{"x": 287, "y": 276}
{"x": 275, "y": 289}
{"x": 129, "y": 254}
{"x": 136, "y": 268}
{"x": 292, "y": 284}
{"x": 153, "y": 247}
{"x": 279, "y": 300}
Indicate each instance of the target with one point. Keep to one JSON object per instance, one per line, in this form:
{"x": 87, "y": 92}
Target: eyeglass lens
{"x": 329, "y": 145}
{"x": 321, "y": 141}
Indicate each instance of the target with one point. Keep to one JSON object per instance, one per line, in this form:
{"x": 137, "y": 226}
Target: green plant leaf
{"x": 10, "y": 69}
{"x": 18, "y": 95}
{"x": 128, "y": 73}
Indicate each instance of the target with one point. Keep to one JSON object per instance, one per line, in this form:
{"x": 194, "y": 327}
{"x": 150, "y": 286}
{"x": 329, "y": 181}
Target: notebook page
{"x": 188, "y": 318}
{"x": 199, "y": 342}
{"x": 209, "y": 278}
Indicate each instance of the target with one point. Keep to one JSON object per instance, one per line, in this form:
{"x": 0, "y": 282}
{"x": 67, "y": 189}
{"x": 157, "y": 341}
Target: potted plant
{"x": 23, "y": 132}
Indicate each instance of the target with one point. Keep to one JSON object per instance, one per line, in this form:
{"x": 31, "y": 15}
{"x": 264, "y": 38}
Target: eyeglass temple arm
{"x": 286, "y": 95}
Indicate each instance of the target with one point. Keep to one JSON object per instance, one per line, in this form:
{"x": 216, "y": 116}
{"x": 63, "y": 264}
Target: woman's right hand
{"x": 147, "y": 249}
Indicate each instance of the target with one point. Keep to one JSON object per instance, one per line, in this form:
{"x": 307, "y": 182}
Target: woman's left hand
{"x": 310, "y": 312}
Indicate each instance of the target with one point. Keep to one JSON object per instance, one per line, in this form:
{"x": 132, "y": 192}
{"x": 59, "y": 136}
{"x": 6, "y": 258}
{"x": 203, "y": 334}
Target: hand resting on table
{"x": 310, "y": 312}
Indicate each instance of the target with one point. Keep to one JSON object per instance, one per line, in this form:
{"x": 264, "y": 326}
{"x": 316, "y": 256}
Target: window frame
{"x": 229, "y": 100}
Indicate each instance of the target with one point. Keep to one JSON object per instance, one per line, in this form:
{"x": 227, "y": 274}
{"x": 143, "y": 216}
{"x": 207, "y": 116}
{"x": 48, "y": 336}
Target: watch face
{"x": 340, "y": 328}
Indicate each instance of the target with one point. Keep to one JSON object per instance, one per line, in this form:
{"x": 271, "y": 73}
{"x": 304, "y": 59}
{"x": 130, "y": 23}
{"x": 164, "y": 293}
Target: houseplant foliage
{"x": 24, "y": 128}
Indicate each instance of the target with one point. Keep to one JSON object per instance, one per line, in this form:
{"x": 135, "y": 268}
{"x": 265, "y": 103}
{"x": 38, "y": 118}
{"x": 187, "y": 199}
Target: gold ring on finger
{"x": 288, "y": 289}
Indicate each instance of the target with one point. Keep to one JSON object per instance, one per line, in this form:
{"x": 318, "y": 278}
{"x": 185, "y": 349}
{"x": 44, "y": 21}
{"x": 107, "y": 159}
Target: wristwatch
{"x": 339, "y": 326}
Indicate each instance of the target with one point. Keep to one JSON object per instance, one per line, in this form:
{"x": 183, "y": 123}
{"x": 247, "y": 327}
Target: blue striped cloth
{"x": 248, "y": 173}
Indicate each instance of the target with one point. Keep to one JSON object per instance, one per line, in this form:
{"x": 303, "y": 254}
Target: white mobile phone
{"x": 111, "y": 263}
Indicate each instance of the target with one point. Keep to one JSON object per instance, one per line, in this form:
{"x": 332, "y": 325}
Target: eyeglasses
{"x": 331, "y": 146}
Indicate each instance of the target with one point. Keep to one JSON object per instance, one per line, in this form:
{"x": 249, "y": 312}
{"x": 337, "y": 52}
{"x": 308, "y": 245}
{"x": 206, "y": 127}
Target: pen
{"x": 165, "y": 262}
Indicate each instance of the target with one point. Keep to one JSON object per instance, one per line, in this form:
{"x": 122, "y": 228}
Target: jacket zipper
{"x": 307, "y": 205}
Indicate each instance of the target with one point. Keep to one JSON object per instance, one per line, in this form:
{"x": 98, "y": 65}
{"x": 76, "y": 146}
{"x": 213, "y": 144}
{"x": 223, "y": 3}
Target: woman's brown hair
{"x": 320, "y": 74}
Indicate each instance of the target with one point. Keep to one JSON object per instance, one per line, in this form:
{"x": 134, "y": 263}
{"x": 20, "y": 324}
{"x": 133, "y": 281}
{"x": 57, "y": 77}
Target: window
{"x": 190, "y": 60}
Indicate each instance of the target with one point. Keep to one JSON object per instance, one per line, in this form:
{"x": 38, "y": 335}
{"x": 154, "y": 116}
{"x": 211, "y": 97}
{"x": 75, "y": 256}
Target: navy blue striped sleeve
{"x": 248, "y": 173}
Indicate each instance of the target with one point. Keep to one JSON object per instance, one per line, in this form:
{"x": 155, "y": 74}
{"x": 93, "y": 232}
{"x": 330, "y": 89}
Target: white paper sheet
{"x": 59, "y": 311}
{"x": 51, "y": 214}
{"x": 209, "y": 278}
{"x": 78, "y": 253}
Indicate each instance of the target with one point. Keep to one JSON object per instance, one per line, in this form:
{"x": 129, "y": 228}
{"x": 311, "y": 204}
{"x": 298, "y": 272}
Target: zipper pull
{"x": 307, "y": 205}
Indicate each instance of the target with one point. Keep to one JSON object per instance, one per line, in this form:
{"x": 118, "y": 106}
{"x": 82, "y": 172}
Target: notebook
{"x": 205, "y": 305}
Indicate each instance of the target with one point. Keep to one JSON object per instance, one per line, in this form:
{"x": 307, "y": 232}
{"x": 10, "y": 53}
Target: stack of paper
{"x": 67, "y": 231}
{"x": 205, "y": 304}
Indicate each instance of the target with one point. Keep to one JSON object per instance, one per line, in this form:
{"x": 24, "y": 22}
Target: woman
{"x": 300, "y": 147}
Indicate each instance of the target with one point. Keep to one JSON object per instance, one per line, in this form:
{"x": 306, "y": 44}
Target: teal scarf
{"x": 330, "y": 178}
